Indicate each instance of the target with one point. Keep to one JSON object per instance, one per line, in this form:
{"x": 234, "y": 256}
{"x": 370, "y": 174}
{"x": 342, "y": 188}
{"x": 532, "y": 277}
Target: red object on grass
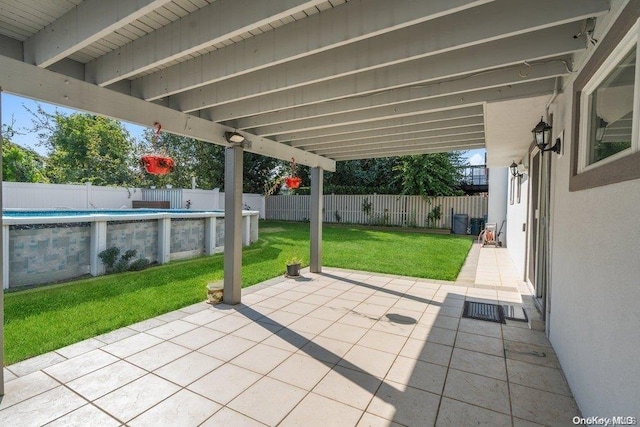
{"x": 157, "y": 165}
{"x": 293, "y": 182}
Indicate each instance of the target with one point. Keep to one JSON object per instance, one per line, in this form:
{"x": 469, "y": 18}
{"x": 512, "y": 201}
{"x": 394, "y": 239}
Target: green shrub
{"x": 114, "y": 264}
{"x": 109, "y": 257}
{"x": 139, "y": 264}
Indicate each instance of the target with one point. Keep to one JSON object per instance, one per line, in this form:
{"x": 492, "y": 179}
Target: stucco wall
{"x": 594, "y": 320}
{"x": 517, "y": 216}
{"x": 498, "y": 199}
{"x": 139, "y": 235}
{"x": 47, "y": 253}
{"x": 187, "y": 235}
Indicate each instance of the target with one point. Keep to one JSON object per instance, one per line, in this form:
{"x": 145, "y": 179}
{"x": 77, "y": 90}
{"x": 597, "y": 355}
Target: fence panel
{"x": 171, "y": 195}
{"x": 250, "y": 201}
{"x": 202, "y": 200}
{"x": 406, "y": 211}
{"x": 26, "y": 195}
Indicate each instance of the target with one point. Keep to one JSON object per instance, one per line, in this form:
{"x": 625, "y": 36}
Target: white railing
{"x": 407, "y": 211}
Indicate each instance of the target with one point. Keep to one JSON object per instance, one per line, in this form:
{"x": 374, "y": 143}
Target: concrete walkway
{"x": 342, "y": 348}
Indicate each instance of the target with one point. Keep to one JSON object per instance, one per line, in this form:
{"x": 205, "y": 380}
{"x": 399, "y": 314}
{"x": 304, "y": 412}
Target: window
{"x": 608, "y": 125}
{"x": 605, "y": 147}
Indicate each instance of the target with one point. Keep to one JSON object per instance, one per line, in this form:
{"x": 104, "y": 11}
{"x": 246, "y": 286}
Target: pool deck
{"x": 341, "y": 348}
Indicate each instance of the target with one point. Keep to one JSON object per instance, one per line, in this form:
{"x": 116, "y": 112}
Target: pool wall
{"x": 42, "y": 250}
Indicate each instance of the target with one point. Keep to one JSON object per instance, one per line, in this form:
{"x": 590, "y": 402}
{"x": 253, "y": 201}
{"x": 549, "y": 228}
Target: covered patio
{"x": 323, "y": 81}
{"x": 336, "y": 348}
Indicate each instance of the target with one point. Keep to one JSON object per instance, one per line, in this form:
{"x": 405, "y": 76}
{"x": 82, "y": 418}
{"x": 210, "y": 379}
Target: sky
{"x": 14, "y": 113}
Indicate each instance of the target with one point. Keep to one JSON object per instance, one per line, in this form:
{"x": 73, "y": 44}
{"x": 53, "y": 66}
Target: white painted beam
{"x": 484, "y": 23}
{"x": 421, "y": 134}
{"x": 440, "y": 128}
{"x": 504, "y": 52}
{"x": 411, "y": 151}
{"x": 523, "y": 90}
{"x": 473, "y": 112}
{"x": 347, "y": 23}
{"x": 215, "y": 23}
{"x": 401, "y": 143}
{"x": 90, "y": 21}
{"x": 27, "y": 80}
{"x": 426, "y": 90}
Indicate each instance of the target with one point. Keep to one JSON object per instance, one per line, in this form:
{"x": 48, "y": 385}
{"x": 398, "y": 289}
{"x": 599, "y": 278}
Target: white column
{"x": 164, "y": 240}
{"x": 97, "y": 244}
{"x": 246, "y": 230}
{"x": 210, "y": 235}
{"x": 233, "y": 225}
{"x": 254, "y": 219}
{"x": 315, "y": 262}
{"x": 498, "y": 198}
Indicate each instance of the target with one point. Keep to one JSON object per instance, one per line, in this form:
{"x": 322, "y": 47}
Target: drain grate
{"x": 483, "y": 311}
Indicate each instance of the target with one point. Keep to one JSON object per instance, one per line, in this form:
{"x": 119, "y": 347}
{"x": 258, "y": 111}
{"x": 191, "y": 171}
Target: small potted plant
{"x": 293, "y": 266}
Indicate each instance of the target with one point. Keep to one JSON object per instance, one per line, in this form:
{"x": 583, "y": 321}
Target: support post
{"x": 2, "y": 285}
{"x": 210, "y": 235}
{"x": 315, "y": 262}
{"x": 164, "y": 240}
{"x": 98, "y": 243}
{"x": 233, "y": 224}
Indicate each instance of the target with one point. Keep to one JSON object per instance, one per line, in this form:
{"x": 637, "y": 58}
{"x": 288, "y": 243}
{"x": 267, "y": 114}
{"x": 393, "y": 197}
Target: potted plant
{"x": 293, "y": 266}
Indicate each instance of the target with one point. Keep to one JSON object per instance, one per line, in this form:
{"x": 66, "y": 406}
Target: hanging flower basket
{"x": 293, "y": 182}
{"x": 157, "y": 165}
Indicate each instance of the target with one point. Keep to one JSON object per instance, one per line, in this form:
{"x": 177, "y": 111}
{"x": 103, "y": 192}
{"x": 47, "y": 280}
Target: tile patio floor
{"x": 341, "y": 348}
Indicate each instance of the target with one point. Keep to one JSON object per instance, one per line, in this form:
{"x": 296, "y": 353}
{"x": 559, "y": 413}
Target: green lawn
{"x": 44, "y": 319}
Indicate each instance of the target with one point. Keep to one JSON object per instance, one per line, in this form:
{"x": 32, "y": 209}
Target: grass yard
{"x": 44, "y": 319}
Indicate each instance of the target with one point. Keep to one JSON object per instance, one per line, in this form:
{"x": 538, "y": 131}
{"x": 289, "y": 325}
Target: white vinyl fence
{"x": 407, "y": 211}
{"x": 26, "y": 195}
{"x": 23, "y": 195}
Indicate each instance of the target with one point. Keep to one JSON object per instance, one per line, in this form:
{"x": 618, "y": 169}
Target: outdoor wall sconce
{"x": 542, "y": 135}
{"x": 601, "y": 127}
{"x": 514, "y": 169}
{"x": 516, "y": 182}
{"x": 234, "y": 137}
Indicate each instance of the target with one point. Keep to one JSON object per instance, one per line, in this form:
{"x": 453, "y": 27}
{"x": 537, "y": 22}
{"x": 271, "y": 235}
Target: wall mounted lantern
{"x": 516, "y": 181}
{"x": 513, "y": 169}
{"x": 542, "y": 135}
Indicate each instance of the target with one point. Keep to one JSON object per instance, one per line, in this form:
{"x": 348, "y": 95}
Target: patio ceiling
{"x": 318, "y": 80}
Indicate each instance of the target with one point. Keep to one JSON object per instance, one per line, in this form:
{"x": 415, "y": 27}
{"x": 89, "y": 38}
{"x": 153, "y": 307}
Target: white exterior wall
{"x": 595, "y": 285}
{"x": 498, "y": 198}
{"x": 516, "y": 225}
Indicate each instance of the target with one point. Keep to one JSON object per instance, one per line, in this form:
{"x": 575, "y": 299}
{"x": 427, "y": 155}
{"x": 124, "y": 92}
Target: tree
{"x": 20, "y": 164}
{"x": 360, "y": 177}
{"x": 430, "y": 175}
{"x": 86, "y": 148}
{"x": 259, "y": 172}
